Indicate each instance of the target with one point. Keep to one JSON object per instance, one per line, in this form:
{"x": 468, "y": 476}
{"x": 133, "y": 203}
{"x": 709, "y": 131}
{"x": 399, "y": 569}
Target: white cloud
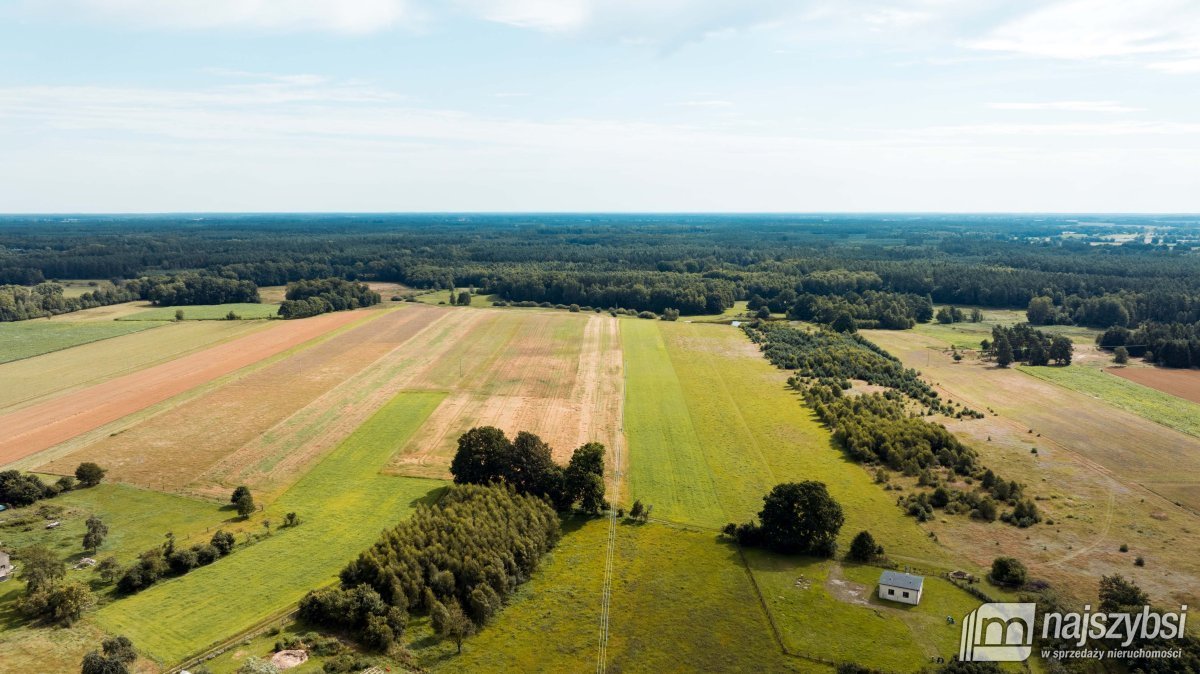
{"x": 1068, "y": 106}
{"x": 1098, "y": 29}
{"x": 341, "y": 16}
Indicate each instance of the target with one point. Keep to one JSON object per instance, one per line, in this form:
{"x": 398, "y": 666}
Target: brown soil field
{"x": 1180, "y": 383}
{"x": 43, "y": 425}
{"x": 172, "y": 449}
{"x": 555, "y": 374}
{"x": 272, "y": 461}
{"x": 1103, "y": 476}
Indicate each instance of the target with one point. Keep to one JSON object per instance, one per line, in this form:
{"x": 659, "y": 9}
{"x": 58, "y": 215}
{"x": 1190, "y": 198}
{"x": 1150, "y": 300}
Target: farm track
{"x": 43, "y": 425}
{"x": 610, "y": 551}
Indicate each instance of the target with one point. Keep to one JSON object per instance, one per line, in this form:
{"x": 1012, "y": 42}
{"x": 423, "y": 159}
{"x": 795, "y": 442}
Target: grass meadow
{"x": 26, "y": 339}
{"x": 1157, "y": 406}
{"x": 967, "y": 335}
{"x": 206, "y": 312}
{"x": 343, "y": 504}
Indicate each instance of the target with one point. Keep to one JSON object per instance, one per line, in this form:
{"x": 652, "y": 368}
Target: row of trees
{"x": 20, "y": 303}
{"x": 1167, "y": 344}
{"x": 170, "y": 560}
{"x": 309, "y": 298}
{"x": 485, "y": 455}
{"x": 18, "y": 489}
{"x": 190, "y": 288}
{"x": 833, "y": 359}
{"x": 457, "y": 560}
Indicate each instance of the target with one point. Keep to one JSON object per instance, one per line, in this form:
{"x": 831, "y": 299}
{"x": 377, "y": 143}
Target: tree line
{"x": 693, "y": 264}
{"x": 1024, "y": 343}
{"x": 319, "y": 296}
{"x": 1167, "y": 344}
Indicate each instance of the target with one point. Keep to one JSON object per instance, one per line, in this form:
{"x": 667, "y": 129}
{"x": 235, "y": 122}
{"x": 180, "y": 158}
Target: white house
{"x": 902, "y": 587}
{"x": 5, "y": 566}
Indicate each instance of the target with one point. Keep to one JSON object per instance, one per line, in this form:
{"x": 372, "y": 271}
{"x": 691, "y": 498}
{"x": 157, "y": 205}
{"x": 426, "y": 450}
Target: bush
{"x": 1008, "y": 571}
{"x": 864, "y": 548}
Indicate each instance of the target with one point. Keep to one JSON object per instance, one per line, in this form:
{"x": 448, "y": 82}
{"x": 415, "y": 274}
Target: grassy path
{"x": 343, "y": 504}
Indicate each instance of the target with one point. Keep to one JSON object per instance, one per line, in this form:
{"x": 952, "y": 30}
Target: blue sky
{"x": 584, "y": 105}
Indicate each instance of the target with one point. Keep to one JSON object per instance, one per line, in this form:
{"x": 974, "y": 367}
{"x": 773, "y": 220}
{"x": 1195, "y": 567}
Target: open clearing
{"x": 1180, "y": 383}
{"x": 29, "y": 380}
{"x": 555, "y": 374}
{"x": 967, "y": 335}
{"x": 206, "y": 312}
{"x": 25, "y": 339}
{"x": 1105, "y": 476}
{"x": 173, "y": 448}
{"x": 343, "y": 503}
{"x": 37, "y": 427}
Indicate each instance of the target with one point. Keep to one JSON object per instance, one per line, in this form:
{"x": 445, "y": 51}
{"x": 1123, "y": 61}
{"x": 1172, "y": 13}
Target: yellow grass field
{"x": 1104, "y": 476}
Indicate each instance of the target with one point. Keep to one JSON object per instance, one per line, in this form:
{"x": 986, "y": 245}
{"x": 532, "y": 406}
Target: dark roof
{"x": 903, "y": 580}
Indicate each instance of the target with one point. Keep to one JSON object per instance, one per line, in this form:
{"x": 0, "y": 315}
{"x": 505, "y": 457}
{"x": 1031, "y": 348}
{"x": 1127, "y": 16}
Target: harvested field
{"x": 29, "y": 380}
{"x": 1181, "y": 383}
{"x": 206, "y": 312}
{"x": 172, "y": 449}
{"x": 551, "y": 373}
{"x": 284, "y": 452}
{"x": 43, "y": 425}
{"x": 107, "y": 313}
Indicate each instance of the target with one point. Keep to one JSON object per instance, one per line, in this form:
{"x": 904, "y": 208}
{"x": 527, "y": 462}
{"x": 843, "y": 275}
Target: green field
{"x": 137, "y": 520}
{"x": 343, "y": 504}
{"x": 443, "y": 297}
{"x": 903, "y": 638}
{"x": 967, "y": 335}
{"x": 1152, "y": 404}
{"x": 25, "y": 339}
{"x": 206, "y": 312}
{"x": 712, "y": 427}
{"x": 666, "y": 462}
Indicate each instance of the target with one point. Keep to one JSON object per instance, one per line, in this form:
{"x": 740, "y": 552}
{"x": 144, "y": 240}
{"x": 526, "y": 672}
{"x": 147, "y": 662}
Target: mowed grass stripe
{"x": 26, "y": 339}
{"x": 666, "y": 463}
{"x": 757, "y": 433}
{"x": 343, "y": 504}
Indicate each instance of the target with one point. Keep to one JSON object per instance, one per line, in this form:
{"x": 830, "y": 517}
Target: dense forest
{"x": 456, "y": 561}
{"x": 880, "y": 271}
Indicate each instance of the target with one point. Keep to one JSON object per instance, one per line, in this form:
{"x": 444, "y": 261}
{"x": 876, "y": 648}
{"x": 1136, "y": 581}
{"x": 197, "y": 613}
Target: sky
{"x": 599, "y": 105}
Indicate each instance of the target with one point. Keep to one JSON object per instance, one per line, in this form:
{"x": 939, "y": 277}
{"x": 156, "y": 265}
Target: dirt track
{"x": 1180, "y": 383}
{"x": 38, "y": 427}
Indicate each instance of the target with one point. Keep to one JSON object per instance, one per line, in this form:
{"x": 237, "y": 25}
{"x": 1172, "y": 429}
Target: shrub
{"x": 1008, "y": 571}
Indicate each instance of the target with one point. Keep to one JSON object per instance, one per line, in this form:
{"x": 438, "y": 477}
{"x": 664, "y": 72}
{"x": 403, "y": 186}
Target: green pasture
{"x": 206, "y": 312}
{"x": 1157, "y": 406}
{"x": 444, "y": 297}
{"x": 343, "y": 504}
{"x": 25, "y": 339}
{"x": 967, "y": 335}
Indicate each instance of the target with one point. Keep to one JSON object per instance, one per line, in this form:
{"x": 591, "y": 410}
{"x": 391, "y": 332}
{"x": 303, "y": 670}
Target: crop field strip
{"x": 205, "y": 312}
{"x": 174, "y": 448}
{"x": 343, "y": 503}
{"x": 45, "y": 424}
{"x": 278, "y": 457}
{"x": 27, "y": 339}
{"x": 32, "y": 379}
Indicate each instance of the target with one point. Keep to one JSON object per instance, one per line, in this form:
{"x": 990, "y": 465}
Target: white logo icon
{"x": 997, "y": 633}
